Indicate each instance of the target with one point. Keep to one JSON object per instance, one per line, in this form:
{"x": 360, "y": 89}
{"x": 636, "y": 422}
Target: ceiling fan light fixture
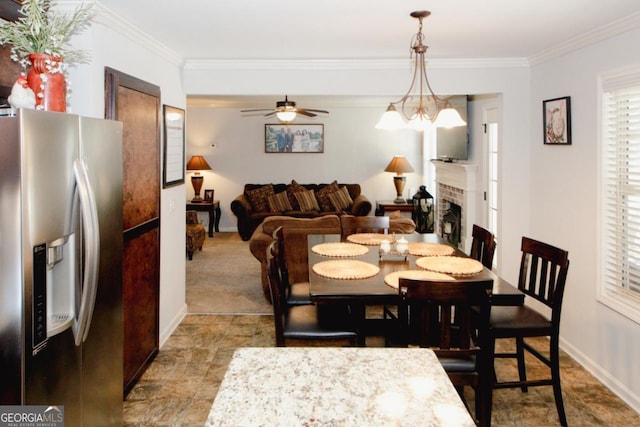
{"x": 420, "y": 119}
{"x": 286, "y": 116}
{"x": 286, "y": 111}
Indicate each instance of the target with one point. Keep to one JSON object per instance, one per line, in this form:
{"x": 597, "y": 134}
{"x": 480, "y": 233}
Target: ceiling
{"x": 366, "y": 29}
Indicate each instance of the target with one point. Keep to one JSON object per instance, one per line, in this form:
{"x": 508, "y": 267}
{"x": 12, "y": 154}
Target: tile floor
{"x": 180, "y": 385}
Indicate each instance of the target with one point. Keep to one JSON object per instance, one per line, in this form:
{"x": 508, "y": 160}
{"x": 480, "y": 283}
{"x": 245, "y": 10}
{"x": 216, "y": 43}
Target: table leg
{"x": 212, "y": 218}
{"x": 217, "y": 221}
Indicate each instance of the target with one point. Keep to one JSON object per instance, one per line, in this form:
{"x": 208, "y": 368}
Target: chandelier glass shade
{"x": 431, "y": 110}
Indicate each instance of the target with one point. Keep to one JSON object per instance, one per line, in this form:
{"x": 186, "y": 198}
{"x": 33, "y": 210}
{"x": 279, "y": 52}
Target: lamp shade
{"x": 198, "y": 163}
{"x": 399, "y": 165}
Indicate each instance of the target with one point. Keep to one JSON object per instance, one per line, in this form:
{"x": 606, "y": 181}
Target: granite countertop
{"x": 290, "y": 386}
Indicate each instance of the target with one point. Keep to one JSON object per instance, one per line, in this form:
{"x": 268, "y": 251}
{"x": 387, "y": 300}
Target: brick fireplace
{"x": 457, "y": 184}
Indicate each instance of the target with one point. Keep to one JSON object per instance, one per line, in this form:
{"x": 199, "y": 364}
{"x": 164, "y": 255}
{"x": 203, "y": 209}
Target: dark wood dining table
{"x": 359, "y": 293}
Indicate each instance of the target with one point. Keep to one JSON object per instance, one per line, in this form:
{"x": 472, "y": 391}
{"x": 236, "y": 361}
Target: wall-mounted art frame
{"x": 279, "y": 138}
{"x": 174, "y": 161}
{"x": 557, "y": 121}
{"x": 208, "y": 195}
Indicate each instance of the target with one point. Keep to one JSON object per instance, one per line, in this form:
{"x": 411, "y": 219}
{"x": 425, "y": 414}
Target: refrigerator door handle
{"x": 91, "y": 232}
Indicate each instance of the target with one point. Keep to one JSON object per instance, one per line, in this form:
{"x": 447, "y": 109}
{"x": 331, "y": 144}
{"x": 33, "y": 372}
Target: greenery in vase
{"x": 41, "y": 30}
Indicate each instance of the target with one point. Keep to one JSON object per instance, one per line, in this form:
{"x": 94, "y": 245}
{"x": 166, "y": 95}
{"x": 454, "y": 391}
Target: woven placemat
{"x": 393, "y": 279}
{"x": 430, "y": 249}
{"x": 345, "y": 269}
{"x": 339, "y": 249}
{"x": 370, "y": 239}
{"x": 457, "y": 266}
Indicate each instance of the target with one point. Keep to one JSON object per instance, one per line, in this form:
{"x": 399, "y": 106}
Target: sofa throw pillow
{"x": 259, "y": 197}
{"x": 279, "y": 202}
{"x": 341, "y": 200}
{"x": 292, "y": 189}
{"x": 307, "y": 201}
{"x": 322, "y": 195}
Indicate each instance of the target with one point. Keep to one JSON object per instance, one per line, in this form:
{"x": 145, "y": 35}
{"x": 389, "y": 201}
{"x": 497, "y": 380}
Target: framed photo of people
{"x": 557, "y": 121}
{"x": 281, "y": 138}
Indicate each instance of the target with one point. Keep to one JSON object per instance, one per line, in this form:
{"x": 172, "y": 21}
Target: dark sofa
{"x": 251, "y": 207}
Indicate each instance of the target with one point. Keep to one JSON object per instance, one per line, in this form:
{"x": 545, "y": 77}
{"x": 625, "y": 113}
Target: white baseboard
{"x": 177, "y": 319}
{"x": 616, "y": 387}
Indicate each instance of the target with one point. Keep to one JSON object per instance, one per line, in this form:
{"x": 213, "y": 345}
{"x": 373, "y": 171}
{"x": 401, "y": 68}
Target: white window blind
{"x": 621, "y": 193}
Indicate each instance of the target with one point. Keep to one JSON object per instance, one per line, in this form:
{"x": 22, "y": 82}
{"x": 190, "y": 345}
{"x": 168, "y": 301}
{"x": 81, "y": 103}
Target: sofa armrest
{"x": 241, "y": 206}
{"x": 361, "y": 206}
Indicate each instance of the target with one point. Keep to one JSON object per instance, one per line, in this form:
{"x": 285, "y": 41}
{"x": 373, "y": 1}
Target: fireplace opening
{"x": 450, "y": 224}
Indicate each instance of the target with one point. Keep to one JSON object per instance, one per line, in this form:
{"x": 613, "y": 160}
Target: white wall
{"x": 563, "y": 193}
{"x": 144, "y": 59}
{"x": 354, "y": 152}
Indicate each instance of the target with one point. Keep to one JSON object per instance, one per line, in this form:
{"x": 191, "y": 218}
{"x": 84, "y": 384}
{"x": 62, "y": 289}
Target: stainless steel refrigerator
{"x": 61, "y": 265}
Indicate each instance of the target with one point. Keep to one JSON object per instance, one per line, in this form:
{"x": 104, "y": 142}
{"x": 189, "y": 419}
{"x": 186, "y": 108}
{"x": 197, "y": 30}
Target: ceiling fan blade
{"x": 314, "y": 110}
{"x": 270, "y": 114}
{"x": 306, "y": 113}
{"x": 255, "y": 109}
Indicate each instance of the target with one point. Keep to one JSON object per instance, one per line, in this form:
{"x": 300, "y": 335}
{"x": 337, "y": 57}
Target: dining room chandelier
{"x": 431, "y": 110}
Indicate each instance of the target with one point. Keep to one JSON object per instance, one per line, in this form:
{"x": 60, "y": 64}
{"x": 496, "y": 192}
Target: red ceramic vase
{"x": 47, "y": 82}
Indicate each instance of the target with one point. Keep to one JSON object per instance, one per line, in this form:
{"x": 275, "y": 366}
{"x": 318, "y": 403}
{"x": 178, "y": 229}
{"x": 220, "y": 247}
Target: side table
{"x": 383, "y": 206}
{"x": 214, "y": 213}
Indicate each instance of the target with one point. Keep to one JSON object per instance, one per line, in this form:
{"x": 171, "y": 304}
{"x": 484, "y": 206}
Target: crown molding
{"x": 621, "y": 26}
{"x": 347, "y": 64}
{"x": 108, "y": 18}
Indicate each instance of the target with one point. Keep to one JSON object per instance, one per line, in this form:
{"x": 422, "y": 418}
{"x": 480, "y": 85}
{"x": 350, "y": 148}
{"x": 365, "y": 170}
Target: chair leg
{"x": 485, "y": 388}
{"x": 522, "y": 369}
{"x": 554, "y": 356}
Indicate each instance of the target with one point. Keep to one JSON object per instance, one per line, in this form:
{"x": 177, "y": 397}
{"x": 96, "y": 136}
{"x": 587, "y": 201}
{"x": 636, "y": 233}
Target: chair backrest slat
{"x": 483, "y": 246}
{"x": 543, "y": 272}
{"x": 446, "y": 315}
{"x": 364, "y": 224}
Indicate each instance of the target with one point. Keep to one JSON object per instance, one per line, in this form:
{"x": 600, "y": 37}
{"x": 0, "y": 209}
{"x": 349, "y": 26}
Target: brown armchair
{"x": 195, "y": 233}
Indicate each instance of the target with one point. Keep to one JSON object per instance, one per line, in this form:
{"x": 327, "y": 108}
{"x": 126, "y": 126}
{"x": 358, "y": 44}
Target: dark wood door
{"x": 137, "y": 105}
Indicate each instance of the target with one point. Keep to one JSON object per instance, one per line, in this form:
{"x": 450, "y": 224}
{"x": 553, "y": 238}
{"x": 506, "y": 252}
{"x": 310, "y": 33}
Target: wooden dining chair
{"x": 296, "y": 293}
{"x": 483, "y": 246}
{"x": 543, "y": 273}
{"x": 301, "y": 322}
{"x": 466, "y": 360}
{"x": 364, "y": 224}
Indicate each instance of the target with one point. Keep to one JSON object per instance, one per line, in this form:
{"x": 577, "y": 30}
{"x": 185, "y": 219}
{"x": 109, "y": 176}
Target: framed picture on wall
{"x": 557, "y": 121}
{"x": 173, "y": 171}
{"x": 279, "y": 138}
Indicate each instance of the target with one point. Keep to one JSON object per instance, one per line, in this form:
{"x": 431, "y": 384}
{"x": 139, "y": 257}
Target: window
{"x": 620, "y": 194}
{"x": 491, "y": 133}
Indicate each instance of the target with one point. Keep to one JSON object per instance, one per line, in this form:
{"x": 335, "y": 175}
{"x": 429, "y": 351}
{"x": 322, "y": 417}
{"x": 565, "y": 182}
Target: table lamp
{"x": 197, "y": 164}
{"x": 399, "y": 165}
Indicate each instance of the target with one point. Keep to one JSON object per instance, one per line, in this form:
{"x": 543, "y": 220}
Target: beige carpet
{"x": 224, "y": 278}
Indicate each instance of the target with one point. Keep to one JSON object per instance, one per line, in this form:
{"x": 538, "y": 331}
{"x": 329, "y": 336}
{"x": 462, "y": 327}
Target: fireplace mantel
{"x": 464, "y": 178}
{"x": 458, "y": 175}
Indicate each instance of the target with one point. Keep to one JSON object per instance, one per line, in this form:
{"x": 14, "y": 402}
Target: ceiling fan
{"x": 286, "y": 111}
